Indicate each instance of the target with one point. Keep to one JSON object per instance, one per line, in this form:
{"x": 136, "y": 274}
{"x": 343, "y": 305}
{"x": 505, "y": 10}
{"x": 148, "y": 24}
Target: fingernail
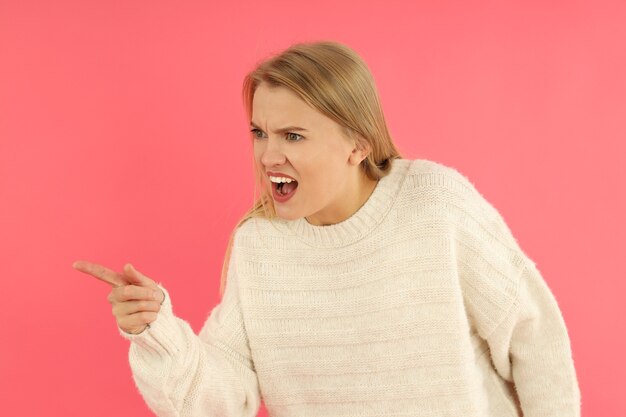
{"x": 155, "y": 295}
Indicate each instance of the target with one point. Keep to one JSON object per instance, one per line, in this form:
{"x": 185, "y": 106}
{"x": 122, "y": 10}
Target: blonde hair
{"x": 333, "y": 79}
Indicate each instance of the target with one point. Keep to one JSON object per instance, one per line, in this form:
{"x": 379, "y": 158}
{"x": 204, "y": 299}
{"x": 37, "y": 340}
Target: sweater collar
{"x": 361, "y": 223}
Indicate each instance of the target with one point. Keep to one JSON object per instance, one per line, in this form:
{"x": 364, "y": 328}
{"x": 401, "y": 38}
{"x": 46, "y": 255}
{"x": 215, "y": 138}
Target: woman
{"x": 360, "y": 284}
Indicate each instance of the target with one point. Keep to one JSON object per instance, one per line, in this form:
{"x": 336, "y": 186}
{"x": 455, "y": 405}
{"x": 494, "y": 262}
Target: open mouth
{"x": 285, "y": 188}
{"x": 283, "y": 191}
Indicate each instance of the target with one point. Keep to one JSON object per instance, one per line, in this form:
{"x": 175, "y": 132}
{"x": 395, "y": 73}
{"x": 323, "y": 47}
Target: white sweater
{"x": 420, "y": 304}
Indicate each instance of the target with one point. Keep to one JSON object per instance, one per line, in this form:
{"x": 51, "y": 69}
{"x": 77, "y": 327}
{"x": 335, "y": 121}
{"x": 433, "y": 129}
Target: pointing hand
{"x": 136, "y": 299}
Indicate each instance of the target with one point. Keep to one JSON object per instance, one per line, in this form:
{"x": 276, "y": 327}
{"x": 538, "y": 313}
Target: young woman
{"x": 360, "y": 284}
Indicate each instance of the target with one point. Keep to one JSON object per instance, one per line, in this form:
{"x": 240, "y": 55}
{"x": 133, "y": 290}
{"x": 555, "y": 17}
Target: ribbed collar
{"x": 361, "y": 223}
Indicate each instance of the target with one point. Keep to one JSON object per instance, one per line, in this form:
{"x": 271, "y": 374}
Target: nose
{"x": 272, "y": 154}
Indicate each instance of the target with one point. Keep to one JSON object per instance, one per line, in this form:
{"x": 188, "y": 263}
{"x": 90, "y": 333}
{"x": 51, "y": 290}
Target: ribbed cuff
{"x": 163, "y": 335}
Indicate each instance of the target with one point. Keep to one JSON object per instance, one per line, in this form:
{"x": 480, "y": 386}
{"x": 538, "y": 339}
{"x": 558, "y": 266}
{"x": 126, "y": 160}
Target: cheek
{"x": 319, "y": 184}
{"x": 259, "y": 172}
{"x": 256, "y": 151}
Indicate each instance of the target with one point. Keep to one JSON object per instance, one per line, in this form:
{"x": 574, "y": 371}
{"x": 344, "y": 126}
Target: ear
{"x": 360, "y": 151}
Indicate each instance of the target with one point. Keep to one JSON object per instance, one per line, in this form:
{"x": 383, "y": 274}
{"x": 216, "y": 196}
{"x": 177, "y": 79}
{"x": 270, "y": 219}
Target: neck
{"x": 357, "y": 197}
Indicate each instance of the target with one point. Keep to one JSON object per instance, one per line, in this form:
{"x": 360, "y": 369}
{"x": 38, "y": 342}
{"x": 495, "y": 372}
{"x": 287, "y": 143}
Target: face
{"x": 294, "y": 141}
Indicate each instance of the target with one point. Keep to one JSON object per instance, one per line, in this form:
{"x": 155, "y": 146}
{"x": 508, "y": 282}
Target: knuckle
{"x": 115, "y": 294}
{"x": 115, "y": 310}
{"x": 127, "y": 291}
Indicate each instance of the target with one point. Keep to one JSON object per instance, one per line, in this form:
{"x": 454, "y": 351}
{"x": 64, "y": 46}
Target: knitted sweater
{"x": 420, "y": 304}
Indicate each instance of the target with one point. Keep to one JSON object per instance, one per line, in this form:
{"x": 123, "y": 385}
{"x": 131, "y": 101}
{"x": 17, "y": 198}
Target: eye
{"x": 294, "y": 137}
{"x": 254, "y": 133}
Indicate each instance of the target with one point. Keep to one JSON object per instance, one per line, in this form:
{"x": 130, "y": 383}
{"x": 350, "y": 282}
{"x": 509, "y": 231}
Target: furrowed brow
{"x": 282, "y": 130}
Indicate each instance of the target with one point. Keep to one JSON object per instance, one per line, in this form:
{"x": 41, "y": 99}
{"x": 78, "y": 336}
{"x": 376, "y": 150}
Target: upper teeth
{"x": 280, "y": 179}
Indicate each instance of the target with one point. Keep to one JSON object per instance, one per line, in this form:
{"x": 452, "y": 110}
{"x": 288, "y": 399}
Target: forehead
{"x": 275, "y": 108}
{"x": 279, "y": 104}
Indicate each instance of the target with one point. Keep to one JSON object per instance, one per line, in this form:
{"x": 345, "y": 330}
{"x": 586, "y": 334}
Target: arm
{"x": 181, "y": 374}
{"x": 512, "y": 308}
{"x": 531, "y": 347}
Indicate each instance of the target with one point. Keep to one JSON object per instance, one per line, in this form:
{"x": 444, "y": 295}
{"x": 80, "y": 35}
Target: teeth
{"x": 280, "y": 179}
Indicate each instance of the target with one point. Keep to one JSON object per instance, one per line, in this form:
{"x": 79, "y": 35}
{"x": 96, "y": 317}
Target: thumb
{"x": 137, "y": 278}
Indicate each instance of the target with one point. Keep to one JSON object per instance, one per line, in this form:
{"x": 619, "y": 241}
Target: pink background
{"x": 123, "y": 139}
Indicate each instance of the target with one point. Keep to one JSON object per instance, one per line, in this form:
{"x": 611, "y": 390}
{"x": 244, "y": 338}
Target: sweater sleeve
{"x": 513, "y": 310}
{"x": 531, "y": 347}
{"x": 181, "y": 374}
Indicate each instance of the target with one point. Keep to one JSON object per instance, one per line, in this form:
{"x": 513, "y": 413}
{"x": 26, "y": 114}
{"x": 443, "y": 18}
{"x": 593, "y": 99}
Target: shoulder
{"x": 490, "y": 260}
{"x": 427, "y": 173}
{"x": 476, "y": 221}
{"x": 444, "y": 182}
{"x": 434, "y": 184}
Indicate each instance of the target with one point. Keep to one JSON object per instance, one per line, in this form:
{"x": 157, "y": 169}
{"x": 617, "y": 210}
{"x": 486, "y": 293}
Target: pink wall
{"x": 118, "y": 120}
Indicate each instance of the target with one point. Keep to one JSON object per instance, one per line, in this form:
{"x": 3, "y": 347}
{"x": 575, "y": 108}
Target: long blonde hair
{"x": 333, "y": 79}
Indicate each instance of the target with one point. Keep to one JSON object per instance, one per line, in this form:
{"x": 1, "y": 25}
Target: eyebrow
{"x": 284, "y": 129}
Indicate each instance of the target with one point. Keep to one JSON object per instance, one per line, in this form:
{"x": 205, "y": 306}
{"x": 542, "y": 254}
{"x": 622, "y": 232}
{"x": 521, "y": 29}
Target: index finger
{"x": 102, "y": 273}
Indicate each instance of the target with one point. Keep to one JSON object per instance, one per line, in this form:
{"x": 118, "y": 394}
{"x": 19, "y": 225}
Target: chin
{"x": 287, "y": 214}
